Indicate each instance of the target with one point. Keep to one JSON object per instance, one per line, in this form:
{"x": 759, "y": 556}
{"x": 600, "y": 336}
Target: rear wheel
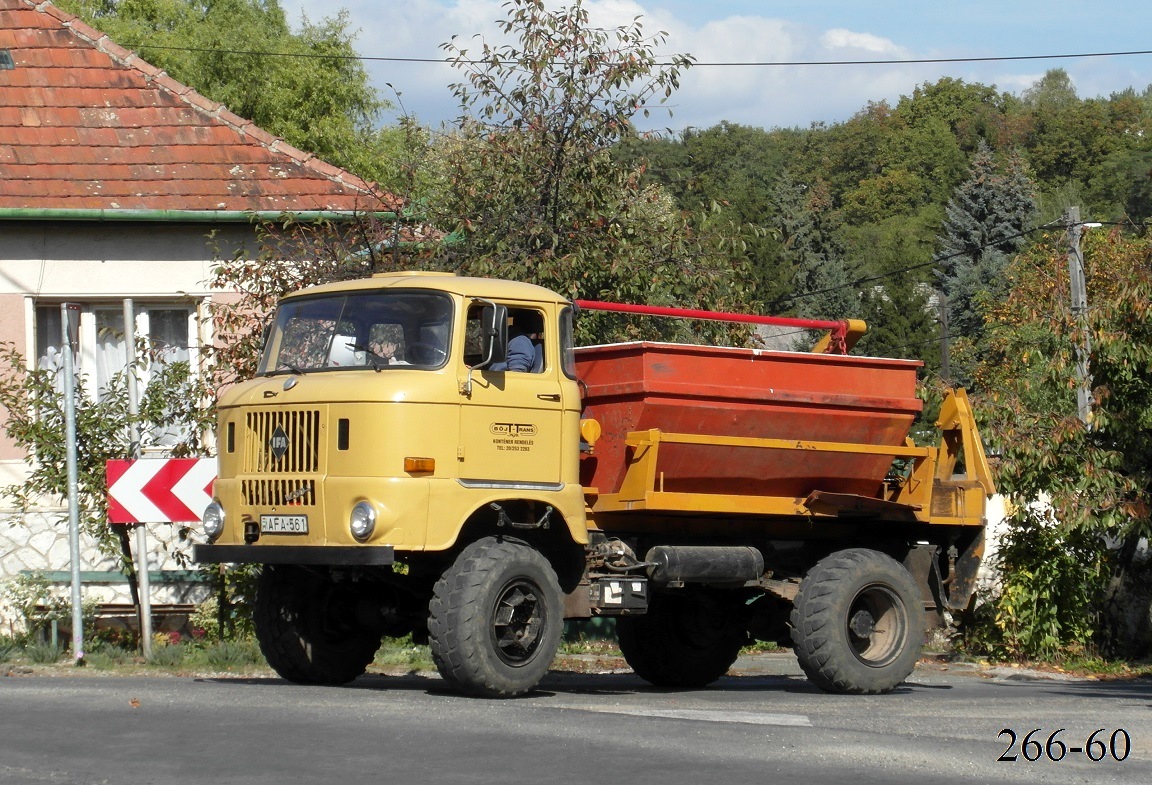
{"x": 858, "y": 623}
{"x": 496, "y": 618}
{"x": 686, "y": 639}
{"x": 307, "y": 629}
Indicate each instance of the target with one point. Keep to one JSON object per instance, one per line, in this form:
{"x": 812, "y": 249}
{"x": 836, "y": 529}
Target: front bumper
{"x": 326, "y": 555}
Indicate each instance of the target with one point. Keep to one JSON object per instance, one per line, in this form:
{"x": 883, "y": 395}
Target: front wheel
{"x": 858, "y": 623}
{"x": 496, "y": 618}
{"x": 307, "y": 629}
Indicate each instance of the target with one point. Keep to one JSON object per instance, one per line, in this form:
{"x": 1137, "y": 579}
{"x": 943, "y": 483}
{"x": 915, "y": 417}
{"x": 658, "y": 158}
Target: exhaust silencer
{"x": 704, "y": 564}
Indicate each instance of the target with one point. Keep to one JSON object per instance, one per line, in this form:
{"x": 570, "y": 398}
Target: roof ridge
{"x": 202, "y": 104}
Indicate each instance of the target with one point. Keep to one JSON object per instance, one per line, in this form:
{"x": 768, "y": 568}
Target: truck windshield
{"x": 368, "y": 330}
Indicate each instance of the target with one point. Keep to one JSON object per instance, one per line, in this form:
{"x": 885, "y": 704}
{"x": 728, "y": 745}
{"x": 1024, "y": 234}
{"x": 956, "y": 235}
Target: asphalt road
{"x": 761, "y": 724}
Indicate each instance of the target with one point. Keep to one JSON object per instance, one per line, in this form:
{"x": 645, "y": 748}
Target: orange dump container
{"x": 705, "y": 390}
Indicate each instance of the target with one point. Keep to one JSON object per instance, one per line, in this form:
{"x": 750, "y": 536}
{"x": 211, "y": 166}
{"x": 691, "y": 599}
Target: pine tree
{"x": 897, "y": 308}
{"x": 822, "y": 288}
{"x": 984, "y": 227}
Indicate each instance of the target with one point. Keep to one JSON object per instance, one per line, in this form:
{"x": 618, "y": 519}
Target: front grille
{"x": 282, "y": 441}
{"x": 279, "y": 493}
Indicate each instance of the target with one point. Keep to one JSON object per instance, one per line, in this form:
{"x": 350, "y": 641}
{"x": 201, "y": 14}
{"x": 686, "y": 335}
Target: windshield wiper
{"x": 283, "y": 366}
{"x": 377, "y": 360}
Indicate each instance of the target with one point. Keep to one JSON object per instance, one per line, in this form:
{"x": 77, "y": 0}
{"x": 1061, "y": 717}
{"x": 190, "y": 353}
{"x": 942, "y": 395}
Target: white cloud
{"x": 781, "y": 95}
{"x": 861, "y": 42}
{"x": 766, "y": 96}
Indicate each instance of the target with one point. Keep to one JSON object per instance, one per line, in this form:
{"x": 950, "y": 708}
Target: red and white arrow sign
{"x": 159, "y": 490}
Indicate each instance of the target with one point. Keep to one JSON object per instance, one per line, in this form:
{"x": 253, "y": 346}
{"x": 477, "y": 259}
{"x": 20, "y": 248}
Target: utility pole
{"x": 144, "y": 588}
{"x": 1079, "y": 313}
{"x": 945, "y": 369}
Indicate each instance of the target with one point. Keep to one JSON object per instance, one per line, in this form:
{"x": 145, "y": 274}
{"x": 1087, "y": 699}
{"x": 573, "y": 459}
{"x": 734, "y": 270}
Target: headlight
{"x": 213, "y": 520}
{"x": 362, "y": 520}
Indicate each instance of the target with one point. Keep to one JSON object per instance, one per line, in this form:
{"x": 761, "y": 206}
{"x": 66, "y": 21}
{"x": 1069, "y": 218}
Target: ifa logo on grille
{"x": 278, "y": 444}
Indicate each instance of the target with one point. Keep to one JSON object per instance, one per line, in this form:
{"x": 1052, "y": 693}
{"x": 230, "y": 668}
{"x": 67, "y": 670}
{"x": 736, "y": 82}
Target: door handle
{"x": 549, "y": 397}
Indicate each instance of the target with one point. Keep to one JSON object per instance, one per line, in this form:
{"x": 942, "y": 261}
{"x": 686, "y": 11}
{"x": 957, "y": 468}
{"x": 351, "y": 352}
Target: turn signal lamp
{"x": 590, "y": 432}
{"x": 419, "y": 465}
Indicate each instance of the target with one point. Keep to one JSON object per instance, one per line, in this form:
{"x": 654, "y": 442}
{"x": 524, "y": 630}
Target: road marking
{"x": 705, "y": 715}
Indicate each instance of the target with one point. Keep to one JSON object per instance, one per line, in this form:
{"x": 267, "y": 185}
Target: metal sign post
{"x": 143, "y": 582}
{"x": 70, "y": 320}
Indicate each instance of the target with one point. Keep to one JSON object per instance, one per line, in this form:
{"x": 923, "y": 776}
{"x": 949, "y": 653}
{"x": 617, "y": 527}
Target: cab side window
{"x": 525, "y": 341}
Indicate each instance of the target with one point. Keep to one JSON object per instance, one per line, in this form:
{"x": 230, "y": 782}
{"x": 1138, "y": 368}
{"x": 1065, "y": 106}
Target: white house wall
{"x": 44, "y": 263}
{"x": 115, "y": 260}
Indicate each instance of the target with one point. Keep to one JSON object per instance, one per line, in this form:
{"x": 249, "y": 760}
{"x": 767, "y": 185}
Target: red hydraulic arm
{"x": 842, "y": 335}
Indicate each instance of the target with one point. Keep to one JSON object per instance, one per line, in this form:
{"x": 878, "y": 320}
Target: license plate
{"x": 283, "y": 524}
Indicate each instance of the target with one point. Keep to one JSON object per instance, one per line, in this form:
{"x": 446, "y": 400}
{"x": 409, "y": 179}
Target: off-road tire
{"x": 305, "y": 624}
{"x": 686, "y": 639}
{"x": 858, "y": 623}
{"x": 496, "y": 618}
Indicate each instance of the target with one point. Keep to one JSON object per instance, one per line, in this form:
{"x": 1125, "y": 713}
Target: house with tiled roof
{"x": 113, "y": 176}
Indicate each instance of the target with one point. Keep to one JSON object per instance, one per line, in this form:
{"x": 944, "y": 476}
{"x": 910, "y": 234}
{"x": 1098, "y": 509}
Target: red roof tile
{"x": 85, "y": 124}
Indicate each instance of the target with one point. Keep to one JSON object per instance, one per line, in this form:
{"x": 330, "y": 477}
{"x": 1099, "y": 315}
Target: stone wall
{"x": 39, "y": 542}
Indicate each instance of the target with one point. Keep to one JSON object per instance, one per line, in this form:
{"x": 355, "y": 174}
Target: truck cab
{"x": 383, "y": 419}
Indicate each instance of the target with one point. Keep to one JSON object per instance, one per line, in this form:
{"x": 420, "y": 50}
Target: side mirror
{"x": 493, "y": 334}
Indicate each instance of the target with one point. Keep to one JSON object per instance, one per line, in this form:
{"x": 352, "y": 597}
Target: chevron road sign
{"x": 159, "y": 490}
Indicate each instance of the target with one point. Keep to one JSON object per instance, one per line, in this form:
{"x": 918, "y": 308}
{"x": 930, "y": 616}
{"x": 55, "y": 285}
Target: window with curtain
{"x": 170, "y": 330}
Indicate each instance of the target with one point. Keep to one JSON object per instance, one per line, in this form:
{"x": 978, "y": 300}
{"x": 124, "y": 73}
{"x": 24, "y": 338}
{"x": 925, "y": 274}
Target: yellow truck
{"x": 430, "y": 454}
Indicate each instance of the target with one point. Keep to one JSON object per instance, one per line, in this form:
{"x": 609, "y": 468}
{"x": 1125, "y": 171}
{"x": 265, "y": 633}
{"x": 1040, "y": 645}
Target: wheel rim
{"x": 518, "y": 618}
{"x": 877, "y": 626}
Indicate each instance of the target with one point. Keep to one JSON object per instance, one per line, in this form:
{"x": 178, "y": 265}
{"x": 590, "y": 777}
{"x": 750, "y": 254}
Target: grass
{"x": 1098, "y": 667}
{"x": 577, "y": 652}
{"x": 404, "y": 653}
{"x": 107, "y": 657}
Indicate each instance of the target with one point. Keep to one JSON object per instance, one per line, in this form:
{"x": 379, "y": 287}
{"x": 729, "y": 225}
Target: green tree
{"x": 985, "y": 224}
{"x": 847, "y": 154}
{"x": 896, "y": 304}
{"x": 1059, "y": 571}
{"x": 970, "y": 112}
{"x": 734, "y": 168}
{"x": 1066, "y": 137}
{"x": 315, "y": 94}
{"x": 531, "y": 183}
{"x": 33, "y": 403}
{"x": 822, "y": 287}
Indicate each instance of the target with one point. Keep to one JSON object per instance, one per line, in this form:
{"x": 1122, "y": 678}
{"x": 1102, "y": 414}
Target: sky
{"x": 798, "y": 31}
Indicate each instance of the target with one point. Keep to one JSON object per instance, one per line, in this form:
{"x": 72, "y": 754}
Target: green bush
{"x": 43, "y": 653}
{"x": 168, "y": 656}
{"x": 238, "y": 585}
{"x": 106, "y": 656}
{"x": 31, "y": 595}
{"x": 1051, "y": 594}
{"x": 227, "y": 655}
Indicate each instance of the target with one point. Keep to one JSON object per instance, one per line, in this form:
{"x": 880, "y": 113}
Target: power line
{"x": 990, "y": 59}
{"x": 748, "y": 64}
{"x": 778, "y": 302}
